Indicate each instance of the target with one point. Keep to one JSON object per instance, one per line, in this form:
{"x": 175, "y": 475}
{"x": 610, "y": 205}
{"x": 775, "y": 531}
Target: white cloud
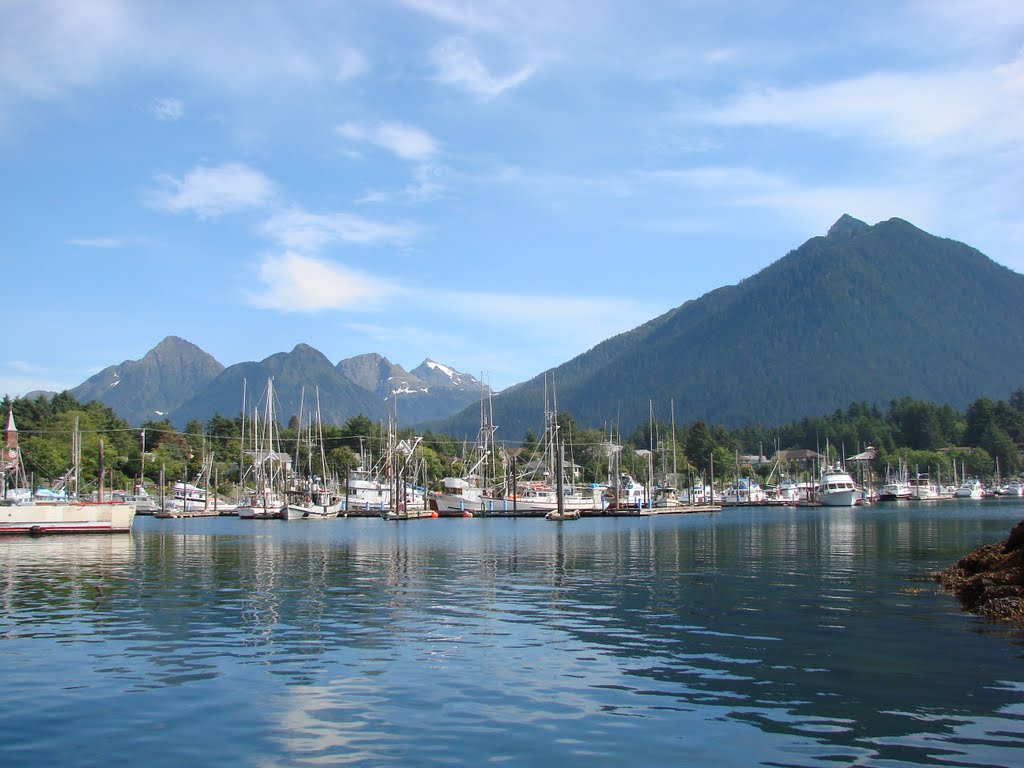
{"x": 952, "y": 112}
{"x": 97, "y": 242}
{"x": 50, "y": 45}
{"x": 295, "y": 283}
{"x": 210, "y": 191}
{"x": 167, "y": 108}
{"x": 405, "y": 141}
{"x": 300, "y": 230}
{"x": 457, "y": 63}
{"x": 467, "y": 15}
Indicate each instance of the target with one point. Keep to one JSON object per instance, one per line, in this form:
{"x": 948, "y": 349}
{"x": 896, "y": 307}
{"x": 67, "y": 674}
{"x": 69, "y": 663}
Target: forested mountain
{"x": 181, "y": 382}
{"x": 155, "y": 385}
{"x": 866, "y": 313}
{"x": 304, "y": 368}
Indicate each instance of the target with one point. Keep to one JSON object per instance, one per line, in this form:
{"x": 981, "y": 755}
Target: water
{"x": 771, "y": 636}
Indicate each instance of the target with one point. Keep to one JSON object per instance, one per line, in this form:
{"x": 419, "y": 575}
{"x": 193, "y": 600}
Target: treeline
{"x": 985, "y": 439}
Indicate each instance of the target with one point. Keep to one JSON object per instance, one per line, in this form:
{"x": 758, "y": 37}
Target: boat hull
{"x": 38, "y": 519}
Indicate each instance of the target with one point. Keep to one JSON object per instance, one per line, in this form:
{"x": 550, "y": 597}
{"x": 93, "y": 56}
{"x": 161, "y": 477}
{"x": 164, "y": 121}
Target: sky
{"x": 498, "y": 186}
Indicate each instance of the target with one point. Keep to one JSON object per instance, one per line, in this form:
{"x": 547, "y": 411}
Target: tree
{"x": 699, "y": 447}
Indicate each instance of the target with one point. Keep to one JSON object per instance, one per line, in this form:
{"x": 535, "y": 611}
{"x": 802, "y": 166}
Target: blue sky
{"x": 498, "y": 186}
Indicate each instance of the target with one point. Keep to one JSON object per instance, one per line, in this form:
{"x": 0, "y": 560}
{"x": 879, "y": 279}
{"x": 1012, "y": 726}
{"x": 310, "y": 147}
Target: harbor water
{"x": 752, "y": 636}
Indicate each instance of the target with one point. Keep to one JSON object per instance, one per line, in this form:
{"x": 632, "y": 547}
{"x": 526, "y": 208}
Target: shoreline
{"x": 989, "y": 581}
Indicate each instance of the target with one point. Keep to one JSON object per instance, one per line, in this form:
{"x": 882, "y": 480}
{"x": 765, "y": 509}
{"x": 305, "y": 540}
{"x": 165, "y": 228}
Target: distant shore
{"x": 990, "y": 580}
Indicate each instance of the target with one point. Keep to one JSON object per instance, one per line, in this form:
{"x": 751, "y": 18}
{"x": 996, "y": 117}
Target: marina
{"x": 754, "y": 636}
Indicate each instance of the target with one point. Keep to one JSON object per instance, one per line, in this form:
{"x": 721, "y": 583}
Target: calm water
{"x": 781, "y": 637}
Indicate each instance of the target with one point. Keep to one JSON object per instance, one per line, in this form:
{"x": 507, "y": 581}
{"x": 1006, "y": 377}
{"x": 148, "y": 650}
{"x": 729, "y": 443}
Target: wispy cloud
{"x": 953, "y": 111}
{"x": 405, "y": 141}
{"x": 351, "y": 63}
{"x": 296, "y": 283}
{"x": 210, "y": 191}
{"x": 167, "y": 109}
{"x": 466, "y": 15}
{"x": 300, "y": 230}
{"x": 457, "y": 63}
{"x": 102, "y": 242}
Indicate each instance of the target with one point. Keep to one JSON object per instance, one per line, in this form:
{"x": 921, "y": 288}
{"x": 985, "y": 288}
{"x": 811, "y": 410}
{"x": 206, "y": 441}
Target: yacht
{"x": 836, "y": 488}
{"x": 969, "y": 489}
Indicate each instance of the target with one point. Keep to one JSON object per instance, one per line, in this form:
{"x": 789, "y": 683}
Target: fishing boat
{"x": 666, "y": 496}
{"x": 463, "y": 496}
{"x": 625, "y": 493}
{"x": 922, "y": 488}
{"x": 744, "y": 491}
{"x": 312, "y": 497}
{"x": 38, "y": 516}
{"x": 265, "y": 501}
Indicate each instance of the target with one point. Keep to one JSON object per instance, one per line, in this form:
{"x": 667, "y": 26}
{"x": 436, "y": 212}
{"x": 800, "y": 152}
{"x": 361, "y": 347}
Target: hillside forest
{"x": 983, "y": 441}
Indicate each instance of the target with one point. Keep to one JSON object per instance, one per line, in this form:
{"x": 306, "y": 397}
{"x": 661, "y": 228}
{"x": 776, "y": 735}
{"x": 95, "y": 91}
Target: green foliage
{"x": 921, "y": 436}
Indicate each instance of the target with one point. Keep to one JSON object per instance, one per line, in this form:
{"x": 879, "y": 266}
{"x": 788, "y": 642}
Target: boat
{"x": 897, "y": 486}
{"x": 698, "y": 493}
{"x": 265, "y": 502}
{"x": 39, "y": 516}
{"x": 922, "y": 488}
{"x": 560, "y": 515}
{"x": 836, "y": 488}
{"x": 66, "y": 517}
{"x": 666, "y": 496}
{"x": 1012, "y": 488}
{"x": 789, "y": 492}
{"x": 744, "y": 491}
{"x": 144, "y": 503}
{"x": 624, "y": 493}
{"x": 463, "y": 496}
{"x": 969, "y": 489}
{"x": 312, "y": 497}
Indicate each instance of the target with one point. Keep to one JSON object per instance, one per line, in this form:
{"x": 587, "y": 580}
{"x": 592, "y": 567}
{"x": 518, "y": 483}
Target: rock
{"x": 990, "y": 580}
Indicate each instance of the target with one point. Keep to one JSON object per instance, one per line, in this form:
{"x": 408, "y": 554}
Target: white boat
{"x": 836, "y": 488}
{"x": 923, "y": 489}
{"x": 32, "y": 516}
{"x": 666, "y": 496}
{"x": 144, "y": 503}
{"x": 696, "y": 494}
{"x": 537, "y": 498}
{"x": 744, "y": 491}
{"x": 790, "y": 492}
{"x": 68, "y": 517}
{"x": 626, "y": 493}
{"x": 265, "y": 501}
{"x": 895, "y": 490}
{"x": 969, "y": 489}
{"x": 1012, "y": 488}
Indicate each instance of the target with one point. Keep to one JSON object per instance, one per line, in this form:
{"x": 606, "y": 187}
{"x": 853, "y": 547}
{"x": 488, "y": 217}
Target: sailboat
{"x": 264, "y": 502}
{"x": 311, "y": 496}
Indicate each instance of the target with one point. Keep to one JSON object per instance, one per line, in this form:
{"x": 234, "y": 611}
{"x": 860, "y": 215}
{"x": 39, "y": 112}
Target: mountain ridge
{"x": 864, "y": 313}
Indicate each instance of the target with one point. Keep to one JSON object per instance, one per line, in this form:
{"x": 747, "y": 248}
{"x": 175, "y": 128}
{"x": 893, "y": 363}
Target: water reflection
{"x": 785, "y": 637}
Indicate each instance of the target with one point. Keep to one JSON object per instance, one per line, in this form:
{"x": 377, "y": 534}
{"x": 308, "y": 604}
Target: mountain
{"x": 297, "y": 376}
{"x": 866, "y": 313}
{"x": 156, "y": 385}
{"x": 178, "y": 380}
{"x": 428, "y": 390}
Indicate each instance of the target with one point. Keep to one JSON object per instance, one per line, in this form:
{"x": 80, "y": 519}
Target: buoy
{"x": 433, "y": 515}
